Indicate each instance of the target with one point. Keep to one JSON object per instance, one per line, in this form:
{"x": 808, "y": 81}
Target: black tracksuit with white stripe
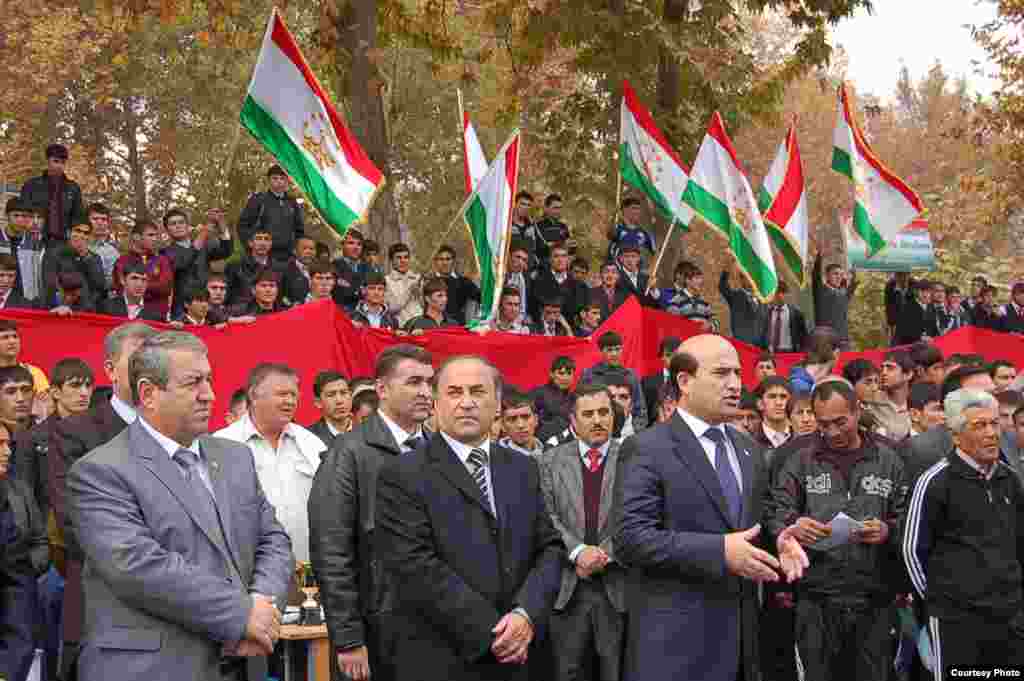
{"x": 963, "y": 543}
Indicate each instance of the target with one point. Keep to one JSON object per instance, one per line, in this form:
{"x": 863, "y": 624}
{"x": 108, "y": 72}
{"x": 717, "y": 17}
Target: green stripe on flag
{"x": 306, "y": 175}
{"x": 716, "y": 212}
{"x": 842, "y": 163}
{"x": 476, "y": 220}
{"x": 866, "y": 230}
{"x": 764, "y": 200}
{"x": 633, "y": 175}
{"x": 789, "y": 255}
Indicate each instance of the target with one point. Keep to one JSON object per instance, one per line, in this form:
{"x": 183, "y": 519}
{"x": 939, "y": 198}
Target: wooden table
{"x": 319, "y": 665}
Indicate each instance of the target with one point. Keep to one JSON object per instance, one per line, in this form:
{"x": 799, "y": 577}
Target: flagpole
{"x": 661, "y": 254}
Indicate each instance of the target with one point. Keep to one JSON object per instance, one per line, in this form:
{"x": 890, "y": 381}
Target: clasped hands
{"x": 590, "y": 561}
{"x": 261, "y": 631}
{"x": 513, "y": 634}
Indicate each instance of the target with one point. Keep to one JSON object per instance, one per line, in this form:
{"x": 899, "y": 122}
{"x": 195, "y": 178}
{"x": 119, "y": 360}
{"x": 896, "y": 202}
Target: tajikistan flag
{"x": 783, "y": 202}
{"x": 474, "y": 161}
{"x": 883, "y": 203}
{"x": 648, "y": 163}
{"x": 288, "y": 112}
{"x": 719, "y": 192}
{"x": 488, "y": 214}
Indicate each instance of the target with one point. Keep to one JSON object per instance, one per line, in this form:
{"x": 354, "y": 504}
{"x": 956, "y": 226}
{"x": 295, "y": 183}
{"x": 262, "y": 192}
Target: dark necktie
{"x": 726, "y": 477}
{"x": 413, "y": 442}
{"x": 776, "y": 334}
{"x": 478, "y": 460}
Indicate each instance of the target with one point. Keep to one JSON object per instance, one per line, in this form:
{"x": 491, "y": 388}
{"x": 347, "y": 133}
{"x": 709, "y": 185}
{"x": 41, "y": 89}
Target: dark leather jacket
{"x": 25, "y": 549}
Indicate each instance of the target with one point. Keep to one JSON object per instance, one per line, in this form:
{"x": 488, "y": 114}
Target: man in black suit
{"x": 609, "y": 295}
{"x": 466, "y": 540}
{"x": 72, "y": 439}
{"x": 785, "y": 328}
{"x": 651, "y": 385}
{"x": 461, "y": 291}
{"x": 555, "y": 281}
{"x": 913, "y": 319}
{"x": 10, "y": 295}
{"x": 341, "y": 513}
{"x": 332, "y": 395}
{"x": 131, "y": 303}
{"x": 631, "y": 279}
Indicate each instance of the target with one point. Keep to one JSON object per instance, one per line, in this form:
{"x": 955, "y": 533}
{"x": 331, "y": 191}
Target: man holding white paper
{"x": 844, "y": 601}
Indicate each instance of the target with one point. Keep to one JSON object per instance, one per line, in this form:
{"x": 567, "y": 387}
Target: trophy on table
{"x": 308, "y": 586}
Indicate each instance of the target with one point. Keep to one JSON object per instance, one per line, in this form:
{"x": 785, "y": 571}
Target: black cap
{"x": 629, "y": 248}
{"x": 57, "y": 151}
{"x": 15, "y": 205}
{"x": 276, "y": 170}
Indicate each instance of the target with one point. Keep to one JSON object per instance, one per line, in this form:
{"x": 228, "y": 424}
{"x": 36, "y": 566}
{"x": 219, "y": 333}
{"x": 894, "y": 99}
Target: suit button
{"x": 494, "y": 531}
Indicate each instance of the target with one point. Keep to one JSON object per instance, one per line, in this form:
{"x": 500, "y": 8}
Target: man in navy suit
{"x": 691, "y": 501}
{"x": 471, "y": 560}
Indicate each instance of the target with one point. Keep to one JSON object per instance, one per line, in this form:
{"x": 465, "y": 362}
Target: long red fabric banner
{"x": 319, "y": 336}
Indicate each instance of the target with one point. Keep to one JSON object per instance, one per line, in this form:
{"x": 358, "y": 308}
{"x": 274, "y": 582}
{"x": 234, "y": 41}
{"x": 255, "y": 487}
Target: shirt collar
{"x": 123, "y": 409}
{"x": 584, "y": 448}
{"x": 507, "y": 442}
{"x": 463, "y": 450}
{"x": 247, "y": 429}
{"x": 776, "y": 437}
{"x": 169, "y": 445}
{"x": 397, "y": 431}
{"x": 977, "y": 467}
{"x": 697, "y": 425}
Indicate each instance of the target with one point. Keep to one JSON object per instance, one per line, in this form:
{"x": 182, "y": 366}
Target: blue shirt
{"x": 632, "y": 236}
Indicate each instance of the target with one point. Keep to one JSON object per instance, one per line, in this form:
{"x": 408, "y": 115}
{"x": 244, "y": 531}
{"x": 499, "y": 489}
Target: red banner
{"x": 318, "y": 336}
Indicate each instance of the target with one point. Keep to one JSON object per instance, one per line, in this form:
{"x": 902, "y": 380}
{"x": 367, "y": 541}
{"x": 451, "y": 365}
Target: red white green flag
{"x": 883, "y": 203}
{"x": 474, "y": 162}
{"x": 289, "y": 113}
{"x": 783, "y": 202}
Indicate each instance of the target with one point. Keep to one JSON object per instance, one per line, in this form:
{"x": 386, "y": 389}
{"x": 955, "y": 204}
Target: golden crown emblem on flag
{"x": 317, "y": 145}
{"x": 741, "y": 215}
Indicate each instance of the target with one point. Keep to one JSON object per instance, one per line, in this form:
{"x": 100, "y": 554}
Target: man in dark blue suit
{"x": 471, "y": 560}
{"x": 691, "y": 501}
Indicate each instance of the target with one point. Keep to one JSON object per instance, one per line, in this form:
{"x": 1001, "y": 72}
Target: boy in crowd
{"x": 766, "y": 366}
{"x": 748, "y": 418}
{"x": 103, "y": 245}
{"x": 553, "y": 398}
{"x": 321, "y": 281}
{"x": 925, "y": 403}
{"x": 590, "y": 319}
{"x": 609, "y": 295}
{"x": 196, "y": 310}
{"x": 332, "y": 397}
{"x": 435, "y": 300}
{"x": 610, "y": 344}
{"x": 217, "y": 287}
{"x": 622, "y": 395}
{"x": 552, "y": 232}
{"x": 71, "y": 296}
{"x": 296, "y": 277}
{"x": 363, "y": 404}
{"x": 10, "y": 297}
{"x": 349, "y": 270}
{"x": 685, "y": 300}
{"x": 1002, "y": 373}
{"x": 241, "y": 275}
{"x": 10, "y": 348}
{"x": 265, "y": 298}
{"x": 629, "y": 230}
{"x": 192, "y": 254}
{"x": 74, "y": 256}
{"x": 371, "y": 256}
{"x": 510, "y": 306}
{"x": 372, "y": 310}
{"x": 652, "y": 384}
{"x": 519, "y": 423}
{"x": 131, "y": 304}
{"x": 551, "y": 322}
{"x": 403, "y": 285}
{"x": 159, "y": 268}
{"x": 237, "y": 407}
{"x": 276, "y": 211}
{"x": 772, "y": 399}
{"x": 461, "y": 291}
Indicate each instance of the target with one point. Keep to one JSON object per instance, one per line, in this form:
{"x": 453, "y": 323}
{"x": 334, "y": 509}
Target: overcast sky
{"x": 918, "y": 32}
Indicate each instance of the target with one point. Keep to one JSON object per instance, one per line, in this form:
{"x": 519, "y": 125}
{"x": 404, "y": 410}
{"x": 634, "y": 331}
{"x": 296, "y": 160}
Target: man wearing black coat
{"x": 74, "y": 256}
{"x": 746, "y": 313}
{"x": 465, "y": 537}
{"x": 914, "y": 319}
{"x": 60, "y": 196}
{"x": 358, "y": 603}
{"x": 784, "y": 328}
{"x": 651, "y": 385}
{"x": 275, "y": 211}
{"x": 192, "y": 256}
{"x": 461, "y": 291}
{"x": 555, "y": 281}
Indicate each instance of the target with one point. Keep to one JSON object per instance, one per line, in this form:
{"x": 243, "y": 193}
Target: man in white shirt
{"x": 286, "y": 454}
{"x": 403, "y": 286}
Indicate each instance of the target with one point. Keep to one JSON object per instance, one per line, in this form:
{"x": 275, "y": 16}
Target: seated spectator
{"x": 510, "y": 307}
{"x": 197, "y": 310}
{"x": 609, "y": 295}
{"x": 652, "y": 384}
{"x": 371, "y": 256}
{"x": 621, "y": 390}
{"x": 237, "y": 407}
{"x": 1013, "y": 311}
{"x": 553, "y": 399}
{"x": 590, "y": 319}
{"x": 16, "y": 393}
{"x": 435, "y": 298}
{"x": 131, "y": 303}
{"x": 785, "y": 329}
{"x": 404, "y": 297}
{"x": 74, "y": 257}
{"x": 518, "y": 277}
{"x": 631, "y": 279}
{"x": 519, "y": 423}
{"x": 772, "y": 400}
{"x": 349, "y": 270}
{"x": 71, "y": 295}
{"x": 265, "y": 298}
{"x": 610, "y": 344}
{"x": 24, "y": 556}
{"x": 930, "y": 364}
{"x": 241, "y": 274}
{"x": 551, "y": 321}
{"x": 10, "y": 350}
{"x": 985, "y": 313}
{"x": 629, "y": 230}
{"x": 1009, "y": 402}
{"x": 10, "y": 297}
{"x": 801, "y": 414}
{"x": 217, "y": 287}
{"x": 159, "y": 269}
{"x": 746, "y": 312}
{"x": 372, "y": 310}
{"x": 191, "y": 254}
{"x": 297, "y": 276}
{"x": 925, "y": 404}
{"x": 748, "y": 416}
{"x": 363, "y": 404}
{"x": 1003, "y": 373}
{"x": 20, "y": 220}
{"x": 684, "y": 297}
{"x": 332, "y": 396}
{"x": 461, "y": 291}
{"x": 321, "y": 281}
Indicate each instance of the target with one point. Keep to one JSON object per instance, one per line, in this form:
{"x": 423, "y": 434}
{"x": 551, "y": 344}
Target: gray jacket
{"x": 164, "y": 592}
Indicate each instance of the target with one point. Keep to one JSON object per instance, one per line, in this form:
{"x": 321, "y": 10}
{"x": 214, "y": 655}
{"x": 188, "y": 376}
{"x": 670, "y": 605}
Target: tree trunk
{"x": 364, "y": 86}
{"x": 670, "y": 72}
{"x": 135, "y": 162}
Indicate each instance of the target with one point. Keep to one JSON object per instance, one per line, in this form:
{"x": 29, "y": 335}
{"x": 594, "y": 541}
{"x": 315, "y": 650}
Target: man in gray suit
{"x": 183, "y": 554}
{"x": 578, "y": 479}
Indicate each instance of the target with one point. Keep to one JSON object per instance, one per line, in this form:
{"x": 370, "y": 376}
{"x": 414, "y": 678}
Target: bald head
{"x": 709, "y": 378}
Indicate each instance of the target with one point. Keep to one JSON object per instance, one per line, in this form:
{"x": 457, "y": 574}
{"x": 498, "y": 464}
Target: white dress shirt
{"x": 776, "y": 437}
{"x": 584, "y": 449}
{"x": 698, "y": 426}
{"x": 399, "y": 433}
{"x": 286, "y": 474}
{"x": 124, "y": 410}
{"x": 462, "y": 451}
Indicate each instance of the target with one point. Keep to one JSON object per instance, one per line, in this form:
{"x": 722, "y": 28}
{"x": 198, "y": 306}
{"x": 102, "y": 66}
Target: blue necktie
{"x": 726, "y": 477}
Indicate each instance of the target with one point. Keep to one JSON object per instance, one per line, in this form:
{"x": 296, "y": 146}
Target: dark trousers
{"x": 973, "y": 642}
{"x": 778, "y": 640}
{"x": 586, "y": 635}
{"x": 840, "y": 640}
{"x": 19, "y": 608}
